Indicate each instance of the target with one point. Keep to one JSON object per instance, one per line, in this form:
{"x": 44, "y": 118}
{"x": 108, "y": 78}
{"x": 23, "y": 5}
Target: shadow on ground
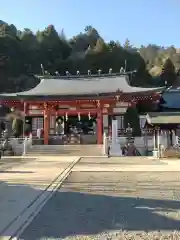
{"x": 73, "y": 213}
{"x": 83, "y": 212}
{"x": 70, "y": 213}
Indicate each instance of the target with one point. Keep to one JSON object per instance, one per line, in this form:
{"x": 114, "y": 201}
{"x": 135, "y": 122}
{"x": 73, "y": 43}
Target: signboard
{"x": 35, "y": 112}
{"x": 122, "y": 104}
{"x": 119, "y": 110}
{"x": 33, "y": 107}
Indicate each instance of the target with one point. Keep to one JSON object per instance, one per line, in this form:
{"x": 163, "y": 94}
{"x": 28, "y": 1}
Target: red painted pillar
{"x": 99, "y": 127}
{"x": 46, "y": 124}
{"x": 25, "y": 113}
{"x": 26, "y": 108}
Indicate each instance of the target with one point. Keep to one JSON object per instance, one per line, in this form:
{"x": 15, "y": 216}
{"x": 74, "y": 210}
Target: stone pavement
{"x": 115, "y": 164}
{"x": 26, "y": 187}
{"x": 23, "y": 188}
{"x": 104, "y": 205}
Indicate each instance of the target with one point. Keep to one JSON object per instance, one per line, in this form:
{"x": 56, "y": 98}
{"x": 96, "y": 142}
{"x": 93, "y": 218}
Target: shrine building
{"x": 101, "y": 96}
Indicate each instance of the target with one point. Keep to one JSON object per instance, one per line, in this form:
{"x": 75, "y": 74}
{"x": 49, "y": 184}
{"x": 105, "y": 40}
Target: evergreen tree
{"x": 23, "y": 52}
{"x": 132, "y": 117}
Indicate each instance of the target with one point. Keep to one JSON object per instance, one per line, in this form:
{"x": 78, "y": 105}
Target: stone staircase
{"x": 65, "y": 150}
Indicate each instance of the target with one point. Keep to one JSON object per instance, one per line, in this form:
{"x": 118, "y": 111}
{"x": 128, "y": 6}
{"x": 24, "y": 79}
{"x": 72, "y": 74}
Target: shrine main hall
{"x": 102, "y": 97}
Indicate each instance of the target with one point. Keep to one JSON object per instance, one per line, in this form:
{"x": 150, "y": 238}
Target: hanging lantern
{"x": 89, "y": 116}
{"x": 66, "y": 117}
{"x": 79, "y": 117}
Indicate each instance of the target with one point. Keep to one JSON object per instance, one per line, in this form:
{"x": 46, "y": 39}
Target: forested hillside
{"x": 23, "y": 52}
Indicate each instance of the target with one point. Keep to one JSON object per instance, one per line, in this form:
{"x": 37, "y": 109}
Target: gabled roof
{"x": 158, "y": 118}
{"x": 82, "y": 85}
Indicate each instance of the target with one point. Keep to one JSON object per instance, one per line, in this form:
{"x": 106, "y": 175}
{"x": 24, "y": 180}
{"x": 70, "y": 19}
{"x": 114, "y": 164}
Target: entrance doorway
{"x": 77, "y": 129}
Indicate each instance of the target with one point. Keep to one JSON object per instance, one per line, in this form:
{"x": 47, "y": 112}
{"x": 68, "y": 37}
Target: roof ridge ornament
{"x": 99, "y": 72}
{"x": 47, "y": 73}
{"x": 122, "y": 70}
{"x": 68, "y": 74}
{"x": 42, "y": 69}
{"x": 57, "y": 73}
{"x": 89, "y": 74}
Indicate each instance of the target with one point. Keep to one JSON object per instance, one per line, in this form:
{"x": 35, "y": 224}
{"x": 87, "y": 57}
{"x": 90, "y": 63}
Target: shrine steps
{"x": 65, "y": 150}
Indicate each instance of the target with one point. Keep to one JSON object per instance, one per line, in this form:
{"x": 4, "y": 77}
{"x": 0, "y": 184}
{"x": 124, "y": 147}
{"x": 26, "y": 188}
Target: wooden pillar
{"x": 26, "y": 108}
{"x": 46, "y": 124}
{"x": 25, "y": 113}
{"x": 99, "y": 125}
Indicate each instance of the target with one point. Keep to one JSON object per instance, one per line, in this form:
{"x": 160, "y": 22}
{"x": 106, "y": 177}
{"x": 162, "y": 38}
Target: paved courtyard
{"x": 25, "y": 184}
{"x": 100, "y": 205}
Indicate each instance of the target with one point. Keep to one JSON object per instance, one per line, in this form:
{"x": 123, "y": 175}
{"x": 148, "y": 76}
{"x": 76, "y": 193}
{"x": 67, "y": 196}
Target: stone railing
{"x": 20, "y": 146}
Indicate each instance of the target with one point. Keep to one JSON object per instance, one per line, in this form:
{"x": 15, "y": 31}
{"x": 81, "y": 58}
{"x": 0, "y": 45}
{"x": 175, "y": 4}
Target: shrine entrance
{"x": 73, "y": 127}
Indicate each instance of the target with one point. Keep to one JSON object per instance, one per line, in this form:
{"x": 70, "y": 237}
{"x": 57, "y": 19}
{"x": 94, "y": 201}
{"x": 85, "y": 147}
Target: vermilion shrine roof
{"x": 82, "y": 85}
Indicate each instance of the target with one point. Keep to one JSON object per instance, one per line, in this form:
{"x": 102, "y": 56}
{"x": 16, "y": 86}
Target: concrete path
{"x": 25, "y": 188}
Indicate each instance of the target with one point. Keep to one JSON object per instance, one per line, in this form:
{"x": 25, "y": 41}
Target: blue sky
{"x": 141, "y": 21}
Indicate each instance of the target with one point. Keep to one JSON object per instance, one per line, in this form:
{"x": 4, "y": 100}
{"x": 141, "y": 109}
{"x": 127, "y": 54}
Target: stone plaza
{"x": 89, "y": 198}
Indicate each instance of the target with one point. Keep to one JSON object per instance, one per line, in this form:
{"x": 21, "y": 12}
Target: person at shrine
{"x": 131, "y": 150}
{"x": 124, "y": 150}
